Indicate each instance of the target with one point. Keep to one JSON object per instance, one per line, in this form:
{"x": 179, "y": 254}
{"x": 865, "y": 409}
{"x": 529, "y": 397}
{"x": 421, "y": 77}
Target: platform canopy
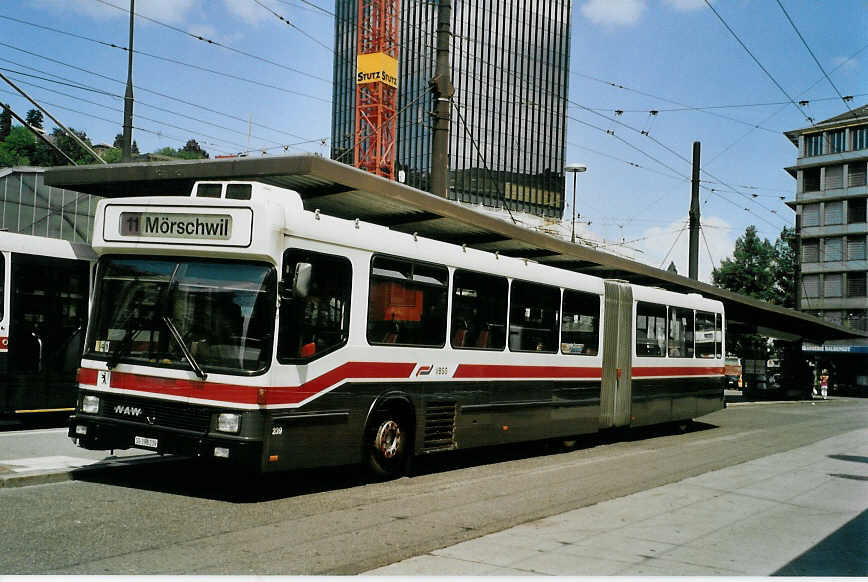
{"x": 346, "y": 192}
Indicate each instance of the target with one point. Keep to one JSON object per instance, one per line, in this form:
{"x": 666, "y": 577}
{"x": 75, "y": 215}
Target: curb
{"x": 12, "y": 480}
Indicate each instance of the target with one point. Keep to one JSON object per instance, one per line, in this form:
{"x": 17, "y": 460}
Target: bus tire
{"x": 388, "y": 443}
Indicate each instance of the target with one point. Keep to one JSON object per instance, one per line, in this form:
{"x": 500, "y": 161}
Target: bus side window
{"x": 650, "y": 329}
{"x": 407, "y": 303}
{"x": 478, "y": 311}
{"x": 705, "y": 335}
{"x": 533, "y": 317}
{"x": 580, "y": 326}
{"x": 680, "y": 332}
{"x": 319, "y": 323}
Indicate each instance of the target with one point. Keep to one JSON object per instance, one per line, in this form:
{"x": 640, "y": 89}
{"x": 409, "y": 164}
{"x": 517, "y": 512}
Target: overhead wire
{"x": 759, "y": 64}
{"x": 804, "y": 42}
{"x": 294, "y": 27}
{"x": 172, "y": 60}
{"x": 216, "y": 43}
{"x": 146, "y": 90}
{"x": 114, "y": 122}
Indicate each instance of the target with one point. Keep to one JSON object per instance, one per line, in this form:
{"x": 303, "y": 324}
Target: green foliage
{"x": 111, "y": 156}
{"x": 70, "y": 147}
{"x": 5, "y": 122}
{"x": 191, "y": 151}
{"x": 18, "y": 148}
{"x": 34, "y": 118}
{"x": 763, "y": 271}
{"x": 751, "y": 270}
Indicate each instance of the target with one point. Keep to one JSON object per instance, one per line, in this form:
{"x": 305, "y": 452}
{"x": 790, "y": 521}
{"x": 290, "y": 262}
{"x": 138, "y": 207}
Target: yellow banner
{"x": 377, "y": 67}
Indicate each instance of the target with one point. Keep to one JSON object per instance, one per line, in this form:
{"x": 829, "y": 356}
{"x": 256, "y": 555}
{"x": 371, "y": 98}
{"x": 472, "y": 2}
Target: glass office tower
{"x": 510, "y": 69}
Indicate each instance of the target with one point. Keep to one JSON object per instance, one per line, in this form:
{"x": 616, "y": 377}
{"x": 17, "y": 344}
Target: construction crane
{"x": 376, "y": 87}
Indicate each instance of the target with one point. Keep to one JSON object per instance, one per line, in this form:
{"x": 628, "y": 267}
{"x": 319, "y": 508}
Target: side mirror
{"x": 301, "y": 280}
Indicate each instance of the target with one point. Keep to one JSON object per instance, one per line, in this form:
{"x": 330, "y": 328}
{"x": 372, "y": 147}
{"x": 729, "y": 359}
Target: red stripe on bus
{"x": 494, "y": 371}
{"x": 241, "y": 394}
{"x": 676, "y": 371}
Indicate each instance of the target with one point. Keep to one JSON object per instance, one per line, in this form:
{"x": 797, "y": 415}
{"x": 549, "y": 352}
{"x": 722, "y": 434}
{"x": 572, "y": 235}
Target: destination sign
{"x": 174, "y": 225}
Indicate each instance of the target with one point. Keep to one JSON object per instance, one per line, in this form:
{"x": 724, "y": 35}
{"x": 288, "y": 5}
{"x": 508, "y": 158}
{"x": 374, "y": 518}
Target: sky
{"x": 730, "y": 74}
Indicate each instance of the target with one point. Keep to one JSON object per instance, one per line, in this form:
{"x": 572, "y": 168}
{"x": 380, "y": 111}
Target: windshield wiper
{"x": 126, "y": 344}
{"x": 184, "y": 349}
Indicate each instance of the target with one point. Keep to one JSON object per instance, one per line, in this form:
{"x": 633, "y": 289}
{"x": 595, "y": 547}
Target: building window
{"x": 857, "y": 320}
{"x": 811, "y": 215}
{"x": 856, "y": 174}
{"x": 837, "y": 141}
{"x": 856, "y": 284}
{"x": 834, "y": 177}
{"x": 856, "y": 211}
{"x": 811, "y": 286}
{"x": 856, "y": 248}
{"x": 811, "y": 251}
{"x": 832, "y": 285}
{"x": 811, "y": 180}
{"x": 859, "y": 137}
{"x": 834, "y": 213}
{"x": 833, "y": 249}
{"x": 814, "y": 144}
{"x": 834, "y": 317}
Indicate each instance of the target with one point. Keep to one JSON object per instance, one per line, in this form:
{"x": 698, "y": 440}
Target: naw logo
{"x": 128, "y": 410}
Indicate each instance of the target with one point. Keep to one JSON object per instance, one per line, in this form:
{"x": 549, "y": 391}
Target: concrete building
{"x": 831, "y": 195}
{"x": 510, "y": 70}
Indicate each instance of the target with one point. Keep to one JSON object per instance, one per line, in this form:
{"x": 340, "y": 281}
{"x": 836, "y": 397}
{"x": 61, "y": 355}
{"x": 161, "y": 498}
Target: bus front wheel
{"x": 388, "y": 443}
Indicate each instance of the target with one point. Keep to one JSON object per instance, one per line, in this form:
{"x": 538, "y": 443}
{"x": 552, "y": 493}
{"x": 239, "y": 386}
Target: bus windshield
{"x": 222, "y": 312}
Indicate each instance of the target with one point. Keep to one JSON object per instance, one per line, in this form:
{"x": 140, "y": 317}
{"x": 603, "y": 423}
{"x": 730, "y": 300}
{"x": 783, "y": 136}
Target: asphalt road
{"x": 182, "y": 518}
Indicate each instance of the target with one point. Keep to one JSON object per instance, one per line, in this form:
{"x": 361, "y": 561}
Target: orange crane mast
{"x": 376, "y": 87}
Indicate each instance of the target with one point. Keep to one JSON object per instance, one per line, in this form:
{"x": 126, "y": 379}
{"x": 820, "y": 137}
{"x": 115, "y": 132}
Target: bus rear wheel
{"x": 388, "y": 443}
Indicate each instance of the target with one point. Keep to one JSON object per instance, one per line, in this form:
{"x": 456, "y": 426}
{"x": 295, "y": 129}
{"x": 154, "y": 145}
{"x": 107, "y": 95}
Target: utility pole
{"x": 693, "y": 268}
{"x": 442, "y": 91}
{"x": 127, "y": 145}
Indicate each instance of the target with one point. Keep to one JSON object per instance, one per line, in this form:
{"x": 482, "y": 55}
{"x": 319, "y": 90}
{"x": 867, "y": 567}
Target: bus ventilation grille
{"x": 439, "y": 426}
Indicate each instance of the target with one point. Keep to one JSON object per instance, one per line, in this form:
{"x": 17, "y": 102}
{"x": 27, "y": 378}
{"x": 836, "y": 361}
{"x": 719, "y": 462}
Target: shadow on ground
{"x": 210, "y": 480}
{"x": 840, "y": 554}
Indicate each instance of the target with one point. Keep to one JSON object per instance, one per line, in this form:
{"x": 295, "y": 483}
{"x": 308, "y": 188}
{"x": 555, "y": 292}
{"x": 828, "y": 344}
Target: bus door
{"x": 48, "y": 317}
{"x": 615, "y": 396}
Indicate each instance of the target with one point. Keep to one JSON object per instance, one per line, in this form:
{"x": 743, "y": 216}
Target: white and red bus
{"x": 44, "y": 289}
{"x": 235, "y": 325}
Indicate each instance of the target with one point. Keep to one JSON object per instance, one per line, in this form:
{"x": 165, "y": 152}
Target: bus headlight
{"x": 90, "y": 404}
{"x": 228, "y": 422}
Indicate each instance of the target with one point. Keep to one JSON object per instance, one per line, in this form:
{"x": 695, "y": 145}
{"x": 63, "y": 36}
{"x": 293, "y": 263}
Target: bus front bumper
{"x": 102, "y": 434}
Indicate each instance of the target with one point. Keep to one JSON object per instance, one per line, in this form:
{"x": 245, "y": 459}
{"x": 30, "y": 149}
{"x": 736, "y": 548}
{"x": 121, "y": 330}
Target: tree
{"x": 5, "y": 123}
{"x": 192, "y": 151}
{"x": 18, "y": 148}
{"x": 763, "y": 271}
{"x": 119, "y": 144}
{"x": 34, "y": 118}
{"x": 785, "y": 268}
{"x": 751, "y": 270}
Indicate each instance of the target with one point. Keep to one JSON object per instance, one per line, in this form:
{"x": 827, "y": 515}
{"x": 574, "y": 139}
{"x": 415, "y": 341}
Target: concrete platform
{"x": 797, "y": 513}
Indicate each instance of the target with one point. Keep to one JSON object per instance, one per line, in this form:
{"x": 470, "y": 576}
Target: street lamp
{"x": 575, "y": 169}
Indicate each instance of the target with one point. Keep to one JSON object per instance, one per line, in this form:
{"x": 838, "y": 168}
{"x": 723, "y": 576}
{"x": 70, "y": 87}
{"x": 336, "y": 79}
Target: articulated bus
{"x": 234, "y": 325}
{"x": 45, "y": 285}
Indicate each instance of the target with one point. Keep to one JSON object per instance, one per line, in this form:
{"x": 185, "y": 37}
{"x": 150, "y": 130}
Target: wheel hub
{"x": 388, "y": 439}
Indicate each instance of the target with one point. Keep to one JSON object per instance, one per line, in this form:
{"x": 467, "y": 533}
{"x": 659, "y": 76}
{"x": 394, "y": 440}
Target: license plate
{"x": 145, "y": 442}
